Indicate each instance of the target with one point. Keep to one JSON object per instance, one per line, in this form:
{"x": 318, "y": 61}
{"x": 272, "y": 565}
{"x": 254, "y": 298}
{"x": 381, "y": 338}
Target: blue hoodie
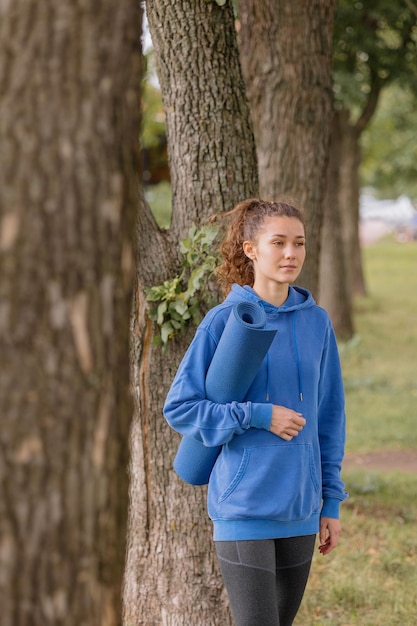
{"x": 262, "y": 486}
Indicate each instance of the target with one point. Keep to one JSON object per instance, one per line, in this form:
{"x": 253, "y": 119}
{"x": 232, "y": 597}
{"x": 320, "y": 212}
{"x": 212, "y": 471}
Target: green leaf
{"x": 161, "y": 311}
{"x": 153, "y": 314}
{"x": 196, "y": 278}
{"x": 166, "y": 331}
{"x": 185, "y": 245}
{"x": 152, "y": 294}
{"x": 180, "y": 306}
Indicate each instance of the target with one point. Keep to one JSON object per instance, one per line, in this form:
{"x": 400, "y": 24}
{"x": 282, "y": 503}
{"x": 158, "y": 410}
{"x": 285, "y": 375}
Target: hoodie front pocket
{"x": 276, "y": 482}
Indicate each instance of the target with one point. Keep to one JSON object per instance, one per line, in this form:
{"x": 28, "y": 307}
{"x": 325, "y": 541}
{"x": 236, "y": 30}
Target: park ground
{"x": 382, "y": 460}
{"x": 402, "y": 460}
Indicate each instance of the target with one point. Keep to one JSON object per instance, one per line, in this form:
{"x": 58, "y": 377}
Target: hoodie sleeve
{"x": 332, "y": 426}
{"x": 188, "y": 411}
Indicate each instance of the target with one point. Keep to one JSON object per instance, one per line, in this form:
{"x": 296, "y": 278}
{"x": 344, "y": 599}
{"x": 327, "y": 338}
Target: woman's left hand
{"x": 330, "y": 530}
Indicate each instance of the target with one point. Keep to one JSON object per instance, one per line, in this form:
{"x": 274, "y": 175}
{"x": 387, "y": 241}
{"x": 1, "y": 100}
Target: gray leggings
{"x": 265, "y": 579}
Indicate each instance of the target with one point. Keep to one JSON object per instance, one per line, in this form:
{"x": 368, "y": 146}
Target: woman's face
{"x": 279, "y": 251}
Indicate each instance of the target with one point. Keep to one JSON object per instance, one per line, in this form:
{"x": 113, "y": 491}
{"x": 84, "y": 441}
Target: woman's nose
{"x": 290, "y": 252}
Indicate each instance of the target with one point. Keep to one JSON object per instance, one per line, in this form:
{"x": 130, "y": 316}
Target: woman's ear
{"x": 249, "y": 250}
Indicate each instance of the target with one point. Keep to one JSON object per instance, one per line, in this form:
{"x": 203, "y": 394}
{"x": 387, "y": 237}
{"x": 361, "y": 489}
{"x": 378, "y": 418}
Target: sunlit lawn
{"x": 380, "y": 363}
{"x": 370, "y": 579}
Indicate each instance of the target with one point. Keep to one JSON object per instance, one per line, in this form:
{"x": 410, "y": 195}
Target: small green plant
{"x": 182, "y": 299}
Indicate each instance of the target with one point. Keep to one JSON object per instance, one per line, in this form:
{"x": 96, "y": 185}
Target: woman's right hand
{"x": 286, "y": 423}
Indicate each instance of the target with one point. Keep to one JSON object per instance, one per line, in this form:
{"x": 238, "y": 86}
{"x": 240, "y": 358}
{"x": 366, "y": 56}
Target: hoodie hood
{"x": 298, "y": 298}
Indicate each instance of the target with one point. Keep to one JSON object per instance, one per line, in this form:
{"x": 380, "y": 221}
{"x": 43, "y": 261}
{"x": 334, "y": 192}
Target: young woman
{"x": 276, "y": 482}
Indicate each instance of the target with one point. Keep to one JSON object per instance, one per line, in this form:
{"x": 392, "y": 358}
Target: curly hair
{"x": 247, "y": 219}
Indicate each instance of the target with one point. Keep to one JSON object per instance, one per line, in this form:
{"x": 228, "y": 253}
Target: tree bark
{"x": 349, "y": 191}
{"x": 172, "y": 576}
{"x": 349, "y": 194}
{"x": 69, "y": 104}
{"x": 207, "y": 115}
{"x": 335, "y": 293}
{"x": 286, "y": 54}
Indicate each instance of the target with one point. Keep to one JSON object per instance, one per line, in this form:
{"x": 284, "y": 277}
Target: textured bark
{"x": 172, "y": 576}
{"x": 69, "y": 102}
{"x": 335, "y": 293}
{"x": 210, "y": 137}
{"x": 346, "y": 170}
{"x": 286, "y": 54}
{"x": 350, "y": 159}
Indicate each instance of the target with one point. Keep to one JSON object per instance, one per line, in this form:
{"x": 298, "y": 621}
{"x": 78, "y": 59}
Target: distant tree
{"x": 389, "y": 145}
{"x": 286, "y": 55}
{"x": 374, "y": 46}
{"x": 334, "y": 293}
{"x": 69, "y": 123}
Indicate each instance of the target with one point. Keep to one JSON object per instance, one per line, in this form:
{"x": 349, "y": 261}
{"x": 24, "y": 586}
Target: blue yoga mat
{"x": 238, "y": 357}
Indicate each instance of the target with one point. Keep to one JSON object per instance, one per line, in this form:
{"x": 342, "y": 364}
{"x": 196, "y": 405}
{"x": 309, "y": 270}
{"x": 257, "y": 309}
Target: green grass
{"x": 159, "y": 198}
{"x": 370, "y": 579}
{"x": 379, "y": 364}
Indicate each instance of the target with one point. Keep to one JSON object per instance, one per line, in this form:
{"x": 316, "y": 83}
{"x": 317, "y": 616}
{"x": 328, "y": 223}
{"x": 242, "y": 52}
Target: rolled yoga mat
{"x": 238, "y": 357}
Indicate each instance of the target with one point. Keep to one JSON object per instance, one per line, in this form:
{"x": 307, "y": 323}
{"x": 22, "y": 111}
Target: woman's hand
{"x": 330, "y": 530}
{"x": 286, "y": 423}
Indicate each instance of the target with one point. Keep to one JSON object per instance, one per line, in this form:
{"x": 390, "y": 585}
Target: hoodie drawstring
{"x": 267, "y": 376}
{"x": 297, "y": 356}
{"x": 297, "y": 359}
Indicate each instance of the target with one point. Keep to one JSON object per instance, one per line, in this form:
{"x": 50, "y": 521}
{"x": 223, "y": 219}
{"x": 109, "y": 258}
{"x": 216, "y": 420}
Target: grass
{"x": 159, "y": 198}
{"x": 370, "y": 579}
{"x": 379, "y": 364}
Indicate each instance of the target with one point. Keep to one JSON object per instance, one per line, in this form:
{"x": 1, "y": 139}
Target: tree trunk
{"x": 342, "y": 278}
{"x": 350, "y": 185}
{"x": 69, "y": 101}
{"x": 172, "y": 576}
{"x": 349, "y": 203}
{"x": 207, "y": 116}
{"x": 286, "y": 54}
{"x": 335, "y": 292}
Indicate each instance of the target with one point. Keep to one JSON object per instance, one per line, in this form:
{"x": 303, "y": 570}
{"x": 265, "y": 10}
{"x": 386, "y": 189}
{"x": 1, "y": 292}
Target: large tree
{"x": 172, "y": 576}
{"x": 374, "y": 46}
{"x": 69, "y": 103}
{"x": 334, "y": 293}
{"x": 286, "y": 54}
